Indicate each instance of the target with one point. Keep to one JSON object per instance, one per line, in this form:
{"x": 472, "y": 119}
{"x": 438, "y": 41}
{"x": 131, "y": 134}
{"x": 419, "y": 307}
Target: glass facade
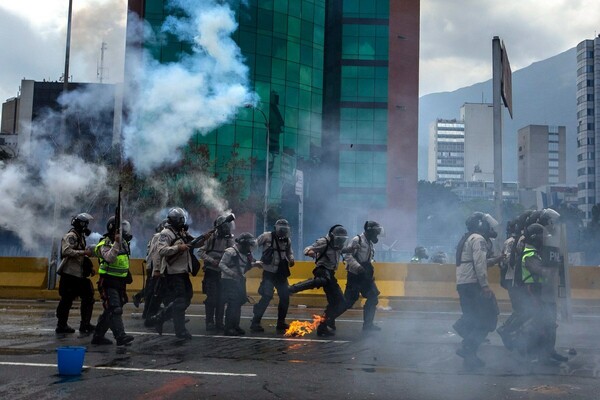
{"x": 363, "y": 114}
{"x": 283, "y": 45}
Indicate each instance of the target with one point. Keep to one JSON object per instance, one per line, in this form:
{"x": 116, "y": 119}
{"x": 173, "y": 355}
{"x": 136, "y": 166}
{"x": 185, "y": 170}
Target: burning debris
{"x": 301, "y": 328}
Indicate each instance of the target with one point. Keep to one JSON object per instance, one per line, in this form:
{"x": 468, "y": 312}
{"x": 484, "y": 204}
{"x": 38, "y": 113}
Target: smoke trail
{"x": 173, "y": 101}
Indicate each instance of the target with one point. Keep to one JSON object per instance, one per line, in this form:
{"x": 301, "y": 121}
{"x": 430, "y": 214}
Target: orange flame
{"x": 301, "y": 328}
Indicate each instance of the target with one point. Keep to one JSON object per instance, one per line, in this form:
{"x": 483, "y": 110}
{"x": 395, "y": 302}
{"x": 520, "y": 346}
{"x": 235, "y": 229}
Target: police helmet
{"x": 532, "y": 218}
{"x": 338, "y": 236}
{"x": 282, "y": 228}
{"x": 548, "y": 217}
{"x": 176, "y": 217}
{"x": 246, "y": 242}
{"x": 481, "y": 223}
{"x": 125, "y": 228}
{"x": 224, "y": 227}
{"x": 534, "y": 235}
{"x": 522, "y": 221}
{"x": 81, "y": 221}
{"x": 373, "y": 230}
{"x": 421, "y": 252}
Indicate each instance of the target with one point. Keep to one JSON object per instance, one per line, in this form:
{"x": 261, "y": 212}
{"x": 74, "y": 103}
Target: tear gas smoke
{"x": 173, "y": 101}
{"x": 166, "y": 105}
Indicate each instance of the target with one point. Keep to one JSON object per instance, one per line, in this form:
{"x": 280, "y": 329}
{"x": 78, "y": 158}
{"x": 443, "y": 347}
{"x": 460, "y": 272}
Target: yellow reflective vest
{"x": 118, "y": 269}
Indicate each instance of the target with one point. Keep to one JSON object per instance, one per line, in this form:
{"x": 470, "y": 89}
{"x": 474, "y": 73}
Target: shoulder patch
{"x": 72, "y": 241}
{"x": 164, "y": 238}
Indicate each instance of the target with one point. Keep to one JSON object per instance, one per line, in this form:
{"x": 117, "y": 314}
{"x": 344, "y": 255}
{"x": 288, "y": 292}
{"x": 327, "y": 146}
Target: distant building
{"x": 483, "y": 190}
{"x": 462, "y": 150}
{"x": 35, "y": 115}
{"x": 588, "y": 128}
{"x": 479, "y": 141}
{"x": 447, "y": 150}
{"x": 542, "y": 156}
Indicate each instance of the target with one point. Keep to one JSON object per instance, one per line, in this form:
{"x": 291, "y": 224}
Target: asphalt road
{"x": 412, "y": 358}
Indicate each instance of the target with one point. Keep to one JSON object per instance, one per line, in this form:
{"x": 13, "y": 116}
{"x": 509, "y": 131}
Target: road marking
{"x": 277, "y": 339}
{"x": 160, "y": 371}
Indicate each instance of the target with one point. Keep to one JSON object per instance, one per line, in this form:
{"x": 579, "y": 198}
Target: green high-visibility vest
{"x": 119, "y": 268}
{"x": 527, "y": 276}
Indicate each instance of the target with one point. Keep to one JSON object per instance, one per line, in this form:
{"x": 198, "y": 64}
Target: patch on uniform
{"x": 483, "y": 246}
{"x": 164, "y": 238}
{"x": 72, "y": 241}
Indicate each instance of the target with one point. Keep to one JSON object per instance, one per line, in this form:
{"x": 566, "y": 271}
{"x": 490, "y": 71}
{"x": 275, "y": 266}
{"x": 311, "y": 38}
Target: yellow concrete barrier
{"x": 27, "y": 277}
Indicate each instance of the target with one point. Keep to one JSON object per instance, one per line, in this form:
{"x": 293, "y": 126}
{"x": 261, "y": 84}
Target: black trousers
{"x": 178, "y": 294}
{"x": 71, "y": 287}
{"x": 152, "y": 297}
{"x": 233, "y": 295}
{"x": 480, "y": 315}
{"x": 113, "y": 295}
{"x": 270, "y": 282}
{"x": 336, "y": 303}
{"x": 364, "y": 285}
{"x": 214, "y": 307}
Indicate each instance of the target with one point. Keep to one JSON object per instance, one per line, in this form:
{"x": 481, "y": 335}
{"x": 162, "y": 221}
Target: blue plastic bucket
{"x": 70, "y": 360}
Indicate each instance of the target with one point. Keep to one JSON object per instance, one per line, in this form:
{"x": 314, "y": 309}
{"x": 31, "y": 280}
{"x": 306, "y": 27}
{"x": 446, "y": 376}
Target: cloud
{"x": 456, "y": 36}
{"x": 37, "y": 50}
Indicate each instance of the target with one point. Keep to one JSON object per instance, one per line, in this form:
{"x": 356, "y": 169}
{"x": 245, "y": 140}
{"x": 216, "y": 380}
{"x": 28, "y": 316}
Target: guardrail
{"x": 27, "y": 278}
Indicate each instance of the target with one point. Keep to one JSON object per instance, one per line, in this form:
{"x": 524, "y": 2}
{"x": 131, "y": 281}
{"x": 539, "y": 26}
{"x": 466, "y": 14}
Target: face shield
{"x": 493, "y": 224}
{"x": 339, "y": 241}
{"x": 126, "y": 231}
{"x": 548, "y": 218}
{"x": 282, "y": 230}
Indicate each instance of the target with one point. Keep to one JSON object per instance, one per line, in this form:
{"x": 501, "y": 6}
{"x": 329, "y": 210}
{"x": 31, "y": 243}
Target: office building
{"x": 446, "y": 150}
{"x": 588, "y": 125}
{"x": 35, "y": 117}
{"x": 541, "y": 155}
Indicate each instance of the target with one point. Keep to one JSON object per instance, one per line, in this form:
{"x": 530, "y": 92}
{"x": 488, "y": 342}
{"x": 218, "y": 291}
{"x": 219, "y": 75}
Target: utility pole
{"x": 100, "y": 70}
{"x": 54, "y": 252}
{"x": 497, "y": 100}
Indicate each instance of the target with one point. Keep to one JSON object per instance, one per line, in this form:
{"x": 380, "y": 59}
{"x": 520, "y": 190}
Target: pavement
{"x": 413, "y": 357}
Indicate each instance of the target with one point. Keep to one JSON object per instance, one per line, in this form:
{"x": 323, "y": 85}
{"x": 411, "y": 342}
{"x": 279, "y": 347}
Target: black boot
{"x": 123, "y": 340}
{"x": 64, "y": 329}
{"x": 86, "y": 327}
{"x": 322, "y": 330}
{"x": 255, "y": 326}
{"x": 282, "y": 326}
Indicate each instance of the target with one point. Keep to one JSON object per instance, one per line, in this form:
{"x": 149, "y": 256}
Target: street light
{"x": 266, "y": 205}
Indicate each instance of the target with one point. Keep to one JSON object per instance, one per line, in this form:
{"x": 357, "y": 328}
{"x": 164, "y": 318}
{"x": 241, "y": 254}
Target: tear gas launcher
{"x": 199, "y": 240}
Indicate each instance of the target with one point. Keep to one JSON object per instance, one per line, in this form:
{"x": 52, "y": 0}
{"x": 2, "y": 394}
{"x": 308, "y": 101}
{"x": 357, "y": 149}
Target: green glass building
{"x": 338, "y": 84}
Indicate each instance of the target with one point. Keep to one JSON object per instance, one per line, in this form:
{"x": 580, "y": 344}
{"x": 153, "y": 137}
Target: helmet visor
{"x": 339, "y": 241}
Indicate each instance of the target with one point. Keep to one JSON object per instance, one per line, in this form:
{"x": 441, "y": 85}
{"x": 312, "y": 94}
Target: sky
{"x": 455, "y": 45}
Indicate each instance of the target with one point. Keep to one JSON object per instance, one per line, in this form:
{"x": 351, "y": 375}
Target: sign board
{"x": 506, "y": 81}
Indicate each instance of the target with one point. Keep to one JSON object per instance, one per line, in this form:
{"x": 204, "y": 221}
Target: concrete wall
{"x": 27, "y": 278}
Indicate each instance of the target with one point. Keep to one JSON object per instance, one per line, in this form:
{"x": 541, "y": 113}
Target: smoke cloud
{"x": 166, "y": 103}
{"x": 173, "y": 101}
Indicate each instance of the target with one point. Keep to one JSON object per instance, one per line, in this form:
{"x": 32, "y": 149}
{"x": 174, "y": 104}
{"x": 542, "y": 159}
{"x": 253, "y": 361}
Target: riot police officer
{"x": 361, "y": 280}
{"x": 477, "y": 301}
{"x": 113, "y": 254}
{"x": 277, "y": 258}
{"x": 151, "y": 295}
{"x": 176, "y": 265}
{"x": 326, "y": 252}
{"x": 236, "y": 261}
{"x": 74, "y": 270}
{"x": 211, "y": 253}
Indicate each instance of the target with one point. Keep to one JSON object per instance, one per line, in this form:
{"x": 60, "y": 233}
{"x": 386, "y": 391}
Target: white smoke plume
{"x": 170, "y": 102}
{"x": 29, "y": 193}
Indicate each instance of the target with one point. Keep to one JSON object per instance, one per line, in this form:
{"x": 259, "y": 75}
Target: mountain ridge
{"x": 544, "y": 93}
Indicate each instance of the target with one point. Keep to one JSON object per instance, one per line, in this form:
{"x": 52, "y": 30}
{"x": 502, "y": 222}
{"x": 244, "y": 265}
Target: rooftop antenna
{"x": 100, "y": 68}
